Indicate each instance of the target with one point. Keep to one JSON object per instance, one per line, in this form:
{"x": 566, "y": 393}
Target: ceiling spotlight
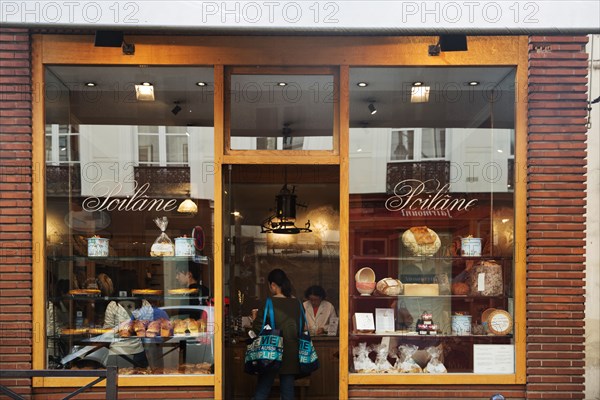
{"x": 417, "y": 83}
{"x": 144, "y": 91}
{"x": 281, "y": 84}
{"x": 372, "y": 109}
{"x": 473, "y": 83}
{"x": 362, "y": 84}
{"x": 419, "y": 94}
{"x": 90, "y": 84}
{"x": 201, "y": 83}
{"x": 176, "y": 109}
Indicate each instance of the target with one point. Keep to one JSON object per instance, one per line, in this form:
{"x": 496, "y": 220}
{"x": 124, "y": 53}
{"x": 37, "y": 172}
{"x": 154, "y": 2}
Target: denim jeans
{"x": 265, "y": 381}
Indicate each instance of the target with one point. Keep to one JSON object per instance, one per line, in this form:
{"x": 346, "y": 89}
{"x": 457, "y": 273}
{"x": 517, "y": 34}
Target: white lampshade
{"x": 187, "y": 206}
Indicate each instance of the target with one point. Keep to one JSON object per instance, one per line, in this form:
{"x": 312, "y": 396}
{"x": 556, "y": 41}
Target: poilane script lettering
{"x": 429, "y": 195}
{"x": 105, "y": 199}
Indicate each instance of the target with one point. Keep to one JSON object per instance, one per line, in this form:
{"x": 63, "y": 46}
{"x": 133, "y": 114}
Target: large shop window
{"x": 129, "y": 220}
{"x": 432, "y": 221}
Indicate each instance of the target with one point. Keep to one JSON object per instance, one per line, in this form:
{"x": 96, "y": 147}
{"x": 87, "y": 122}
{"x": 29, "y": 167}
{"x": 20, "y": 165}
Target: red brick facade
{"x": 555, "y": 229}
{"x": 15, "y": 203}
{"x": 555, "y": 224}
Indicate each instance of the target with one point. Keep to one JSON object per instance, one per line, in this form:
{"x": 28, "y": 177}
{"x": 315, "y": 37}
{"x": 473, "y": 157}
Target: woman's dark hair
{"x": 315, "y": 290}
{"x": 279, "y": 277}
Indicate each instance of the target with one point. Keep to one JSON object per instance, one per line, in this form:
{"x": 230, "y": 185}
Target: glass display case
{"x": 129, "y": 223}
{"x": 431, "y": 274}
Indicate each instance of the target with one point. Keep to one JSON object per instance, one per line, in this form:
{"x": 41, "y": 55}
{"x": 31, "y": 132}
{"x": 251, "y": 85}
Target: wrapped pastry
{"x": 435, "y": 366}
{"x": 406, "y": 364}
{"x": 362, "y": 362}
{"x": 381, "y": 360}
{"x": 162, "y": 246}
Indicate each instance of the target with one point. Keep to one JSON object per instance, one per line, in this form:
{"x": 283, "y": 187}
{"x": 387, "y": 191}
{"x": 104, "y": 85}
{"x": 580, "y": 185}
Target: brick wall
{"x": 15, "y": 203}
{"x": 555, "y": 233}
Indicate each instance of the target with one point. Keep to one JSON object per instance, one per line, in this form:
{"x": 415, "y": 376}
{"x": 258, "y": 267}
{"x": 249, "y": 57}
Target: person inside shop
{"x": 318, "y": 310}
{"x": 190, "y": 278}
{"x": 287, "y": 317}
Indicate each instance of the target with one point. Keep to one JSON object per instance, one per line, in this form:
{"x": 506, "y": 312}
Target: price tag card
{"x": 384, "y": 320}
{"x": 494, "y": 359}
{"x": 364, "y": 322}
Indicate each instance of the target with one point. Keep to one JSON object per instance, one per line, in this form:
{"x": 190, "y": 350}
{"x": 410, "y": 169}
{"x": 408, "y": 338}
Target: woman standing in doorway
{"x": 287, "y": 317}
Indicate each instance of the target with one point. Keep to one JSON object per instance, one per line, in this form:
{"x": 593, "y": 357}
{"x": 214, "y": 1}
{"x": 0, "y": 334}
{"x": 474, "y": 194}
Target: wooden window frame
{"x": 338, "y": 53}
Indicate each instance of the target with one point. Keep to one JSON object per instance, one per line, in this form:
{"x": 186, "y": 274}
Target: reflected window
{"x": 118, "y": 274}
{"x": 281, "y": 112}
{"x": 431, "y": 205}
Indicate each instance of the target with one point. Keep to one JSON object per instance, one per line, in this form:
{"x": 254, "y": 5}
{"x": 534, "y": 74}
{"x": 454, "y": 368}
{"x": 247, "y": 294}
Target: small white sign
{"x": 384, "y": 320}
{"x": 364, "y": 322}
{"x": 494, "y": 359}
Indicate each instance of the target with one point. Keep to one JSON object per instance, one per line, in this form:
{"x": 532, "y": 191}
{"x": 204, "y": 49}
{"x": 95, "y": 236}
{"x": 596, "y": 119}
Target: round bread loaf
{"x": 421, "y": 241}
{"x": 389, "y": 287}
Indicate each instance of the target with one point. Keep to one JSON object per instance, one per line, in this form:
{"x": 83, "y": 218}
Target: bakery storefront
{"x": 174, "y": 184}
{"x": 428, "y": 187}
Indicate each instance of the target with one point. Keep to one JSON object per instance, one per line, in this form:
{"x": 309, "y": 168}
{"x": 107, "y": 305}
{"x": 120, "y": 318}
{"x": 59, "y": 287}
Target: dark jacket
{"x": 287, "y": 317}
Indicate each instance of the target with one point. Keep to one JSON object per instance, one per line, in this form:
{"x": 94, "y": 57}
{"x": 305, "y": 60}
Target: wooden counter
{"x": 322, "y": 384}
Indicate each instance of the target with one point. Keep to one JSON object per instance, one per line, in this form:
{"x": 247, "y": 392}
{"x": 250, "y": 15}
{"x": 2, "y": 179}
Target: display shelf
{"x": 441, "y": 296}
{"x": 132, "y": 298}
{"x": 422, "y": 337}
{"x": 196, "y": 259}
{"x": 429, "y": 258}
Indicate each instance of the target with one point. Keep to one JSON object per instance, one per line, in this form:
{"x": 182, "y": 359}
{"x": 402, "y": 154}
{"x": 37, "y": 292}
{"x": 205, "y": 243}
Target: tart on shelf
{"x": 74, "y": 331}
{"x": 84, "y": 292}
{"x": 183, "y": 291}
{"x": 147, "y": 292}
{"x": 100, "y": 331}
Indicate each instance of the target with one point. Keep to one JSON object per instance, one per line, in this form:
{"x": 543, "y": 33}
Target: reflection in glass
{"x": 109, "y": 302}
{"x": 423, "y": 178}
{"x": 281, "y": 112}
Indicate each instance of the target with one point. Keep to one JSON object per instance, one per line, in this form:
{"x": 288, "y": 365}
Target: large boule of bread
{"x": 421, "y": 241}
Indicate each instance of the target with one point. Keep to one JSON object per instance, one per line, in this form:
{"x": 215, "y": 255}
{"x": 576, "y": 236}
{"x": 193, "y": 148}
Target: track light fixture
{"x": 448, "y": 43}
{"x": 114, "y": 39}
{"x": 176, "y": 109}
{"x": 372, "y": 109}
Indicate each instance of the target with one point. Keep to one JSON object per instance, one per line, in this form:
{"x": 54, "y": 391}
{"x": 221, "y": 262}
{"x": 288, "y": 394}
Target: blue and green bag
{"x": 265, "y": 352}
{"x": 307, "y": 355}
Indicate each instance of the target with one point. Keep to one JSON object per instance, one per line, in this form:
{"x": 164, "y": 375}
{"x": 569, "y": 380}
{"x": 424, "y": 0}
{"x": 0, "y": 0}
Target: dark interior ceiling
{"x": 452, "y": 102}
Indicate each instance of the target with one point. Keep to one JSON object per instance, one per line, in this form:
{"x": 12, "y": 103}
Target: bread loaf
{"x": 153, "y": 329}
{"x": 421, "y": 241}
{"x": 389, "y": 287}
